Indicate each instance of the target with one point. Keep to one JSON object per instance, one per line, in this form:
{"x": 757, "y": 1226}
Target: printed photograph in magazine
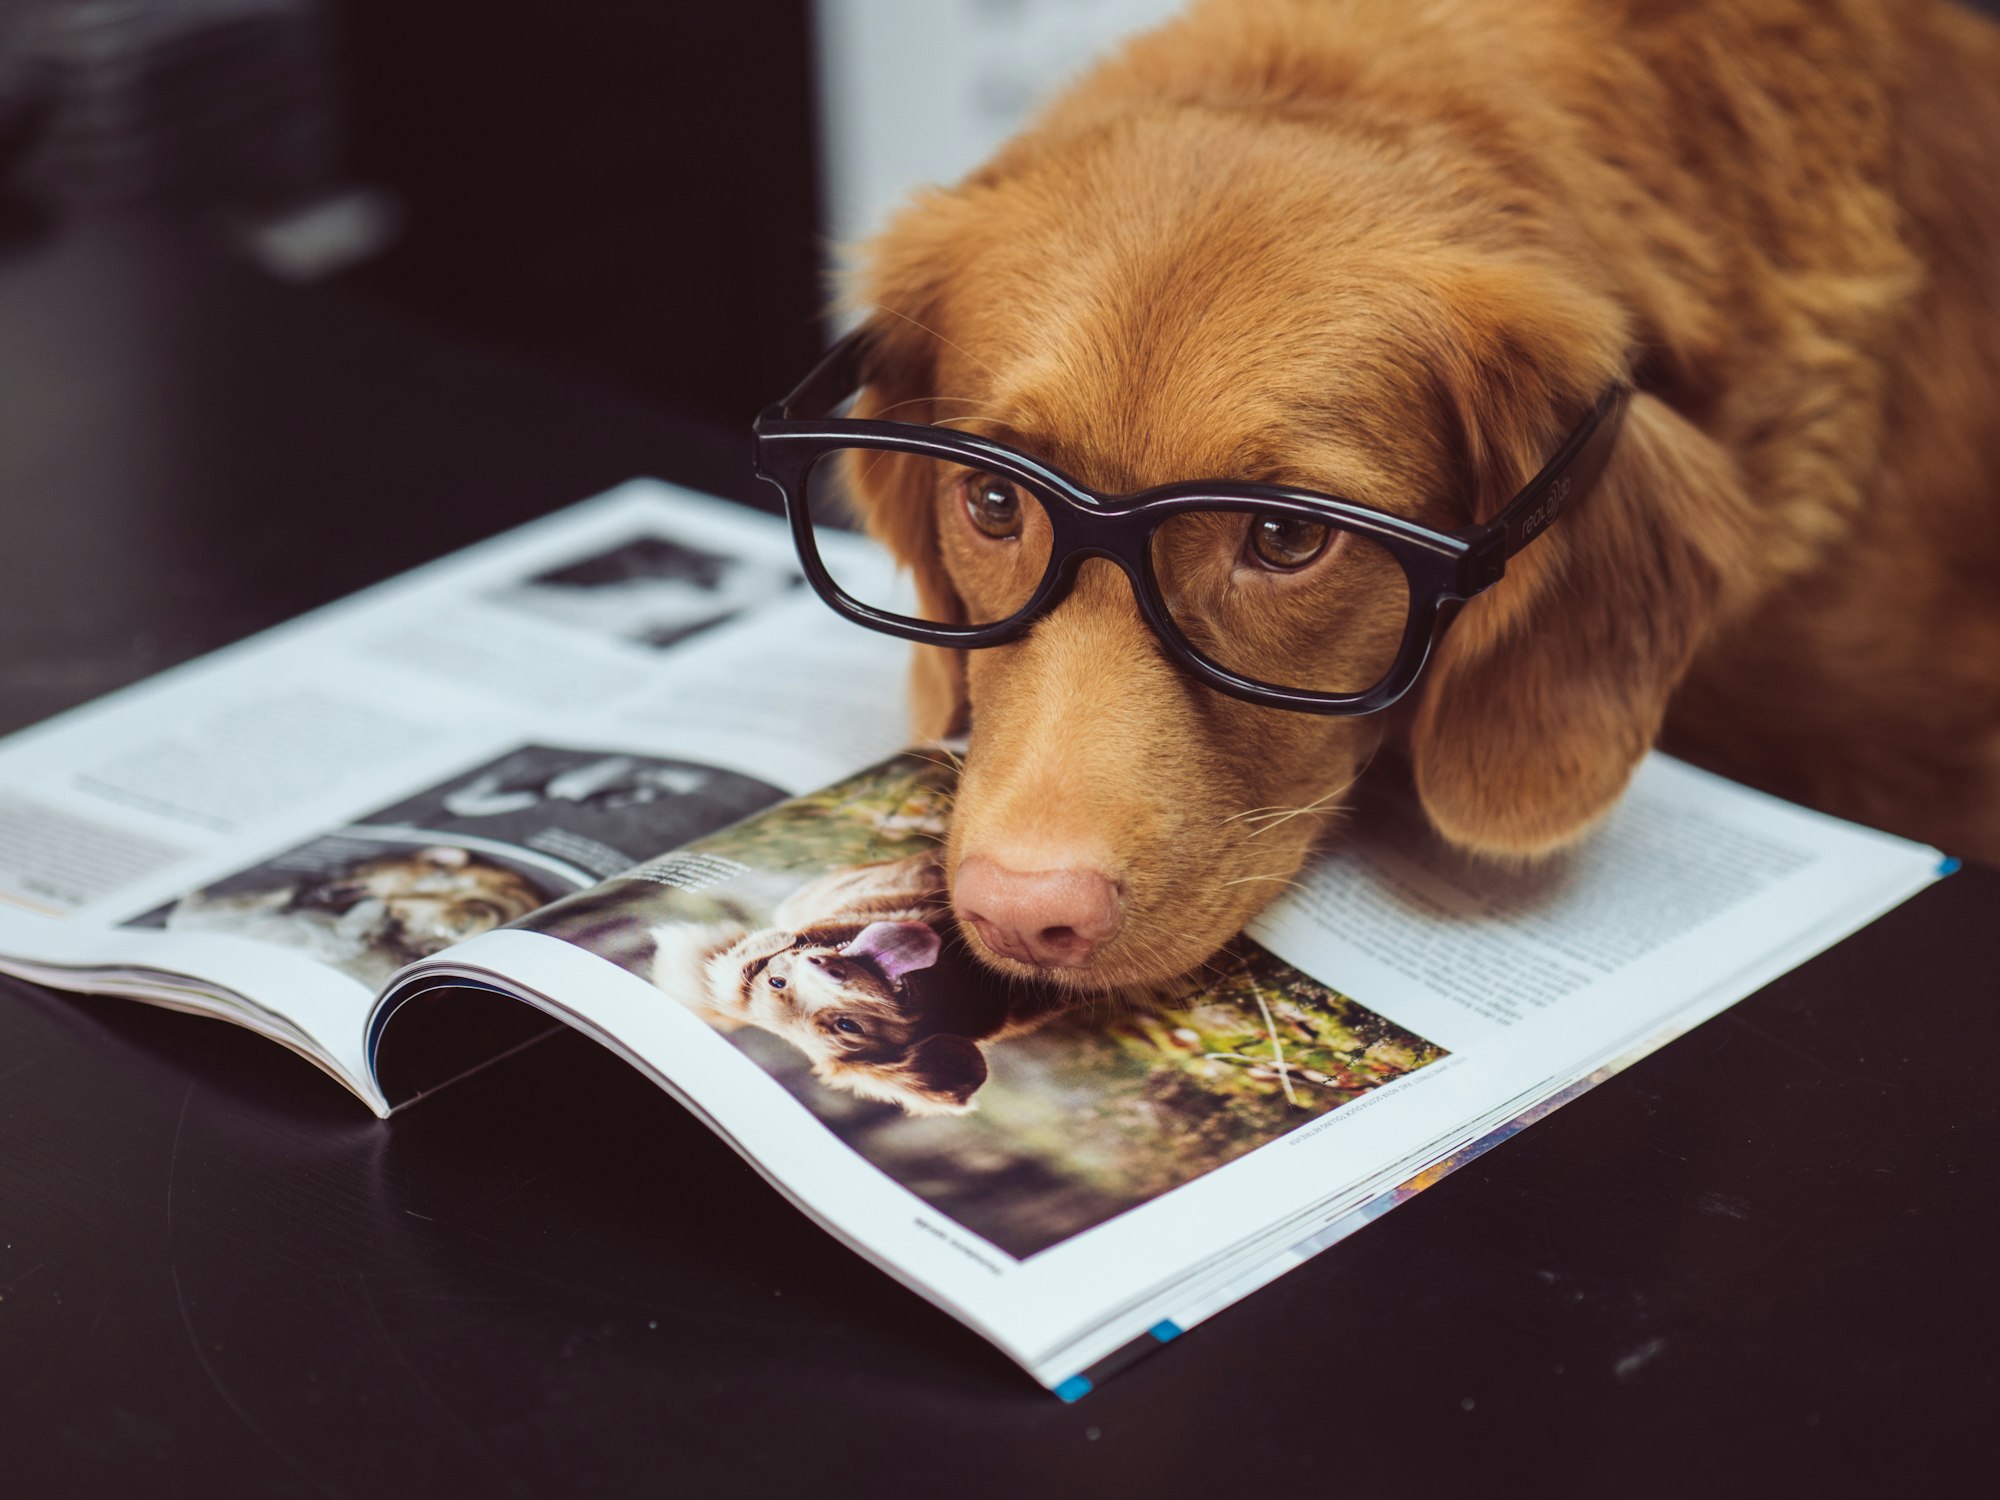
{"x": 817, "y": 938}
{"x": 473, "y": 853}
{"x": 652, "y": 590}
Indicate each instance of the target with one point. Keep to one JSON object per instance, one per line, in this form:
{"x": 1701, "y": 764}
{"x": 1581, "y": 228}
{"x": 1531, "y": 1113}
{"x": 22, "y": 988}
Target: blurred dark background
{"x": 627, "y": 183}
{"x": 632, "y": 189}
{"x": 626, "y": 186}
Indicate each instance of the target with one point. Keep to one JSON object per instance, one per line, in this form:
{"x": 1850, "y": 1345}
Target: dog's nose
{"x": 1053, "y": 919}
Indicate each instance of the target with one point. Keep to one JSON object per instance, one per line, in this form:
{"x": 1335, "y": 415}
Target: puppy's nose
{"x": 1053, "y": 919}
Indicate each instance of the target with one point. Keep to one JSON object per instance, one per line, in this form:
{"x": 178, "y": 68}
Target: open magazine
{"x": 619, "y": 771}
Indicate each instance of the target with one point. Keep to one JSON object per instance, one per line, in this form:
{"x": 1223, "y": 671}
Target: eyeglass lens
{"x": 1284, "y": 601}
{"x": 1281, "y": 600}
{"x": 990, "y": 534}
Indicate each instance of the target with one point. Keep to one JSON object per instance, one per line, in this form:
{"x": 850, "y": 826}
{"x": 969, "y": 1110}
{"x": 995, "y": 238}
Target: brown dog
{"x": 1392, "y": 250}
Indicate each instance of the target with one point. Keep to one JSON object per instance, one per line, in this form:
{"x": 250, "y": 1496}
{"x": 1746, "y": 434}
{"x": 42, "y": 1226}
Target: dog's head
{"x": 1210, "y": 290}
{"x": 421, "y": 902}
{"x": 853, "y": 1001}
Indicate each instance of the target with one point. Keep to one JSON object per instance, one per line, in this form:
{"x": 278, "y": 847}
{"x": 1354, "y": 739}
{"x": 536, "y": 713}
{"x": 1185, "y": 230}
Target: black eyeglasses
{"x": 1279, "y": 596}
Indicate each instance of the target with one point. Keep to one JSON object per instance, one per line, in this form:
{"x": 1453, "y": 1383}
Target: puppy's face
{"x": 1192, "y": 295}
{"x": 854, "y": 1005}
{"x": 831, "y": 1005}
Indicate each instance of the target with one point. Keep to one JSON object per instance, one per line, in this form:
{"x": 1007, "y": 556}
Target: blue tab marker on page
{"x": 1074, "y": 1388}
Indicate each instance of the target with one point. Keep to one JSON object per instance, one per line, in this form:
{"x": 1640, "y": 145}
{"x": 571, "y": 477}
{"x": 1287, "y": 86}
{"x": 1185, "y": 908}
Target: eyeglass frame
{"x": 1444, "y": 569}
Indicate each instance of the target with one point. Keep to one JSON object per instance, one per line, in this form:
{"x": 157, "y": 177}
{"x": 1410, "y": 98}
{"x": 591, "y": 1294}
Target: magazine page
{"x": 1064, "y": 1173}
{"x": 295, "y": 818}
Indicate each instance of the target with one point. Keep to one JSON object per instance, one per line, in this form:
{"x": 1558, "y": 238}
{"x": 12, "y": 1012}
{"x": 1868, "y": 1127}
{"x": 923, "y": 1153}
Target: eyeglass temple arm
{"x": 830, "y": 382}
{"x": 1566, "y": 478}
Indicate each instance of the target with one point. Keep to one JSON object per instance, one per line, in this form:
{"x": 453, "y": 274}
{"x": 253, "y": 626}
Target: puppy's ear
{"x": 939, "y": 1076}
{"x": 1550, "y": 687}
{"x": 896, "y": 948}
{"x": 942, "y": 1075}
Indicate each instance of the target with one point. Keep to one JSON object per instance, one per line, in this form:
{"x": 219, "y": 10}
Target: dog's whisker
{"x": 1317, "y": 805}
{"x": 926, "y": 328}
{"x": 1280, "y": 879}
{"x": 929, "y": 400}
{"x": 875, "y": 462}
{"x": 951, "y": 762}
{"x": 1282, "y": 814}
{"x": 1253, "y": 812}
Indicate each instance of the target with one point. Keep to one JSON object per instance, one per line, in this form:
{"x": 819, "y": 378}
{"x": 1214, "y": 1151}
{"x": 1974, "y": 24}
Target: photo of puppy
{"x": 362, "y": 905}
{"x": 588, "y": 810}
{"x": 1394, "y": 252}
{"x": 815, "y": 939}
{"x": 469, "y": 854}
{"x": 860, "y": 972}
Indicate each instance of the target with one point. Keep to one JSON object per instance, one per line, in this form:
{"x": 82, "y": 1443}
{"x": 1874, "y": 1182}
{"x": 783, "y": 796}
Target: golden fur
{"x": 1392, "y": 249}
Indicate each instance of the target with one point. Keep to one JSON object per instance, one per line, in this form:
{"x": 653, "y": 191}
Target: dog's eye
{"x": 852, "y": 1028}
{"x": 777, "y": 981}
{"x": 993, "y": 505}
{"x": 1286, "y": 543}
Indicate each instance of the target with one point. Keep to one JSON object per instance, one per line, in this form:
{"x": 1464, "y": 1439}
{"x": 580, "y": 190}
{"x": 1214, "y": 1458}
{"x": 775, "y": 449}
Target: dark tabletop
{"x": 1760, "y": 1260}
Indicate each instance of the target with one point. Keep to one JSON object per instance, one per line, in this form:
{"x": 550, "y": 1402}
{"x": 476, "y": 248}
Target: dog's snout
{"x": 1054, "y": 919}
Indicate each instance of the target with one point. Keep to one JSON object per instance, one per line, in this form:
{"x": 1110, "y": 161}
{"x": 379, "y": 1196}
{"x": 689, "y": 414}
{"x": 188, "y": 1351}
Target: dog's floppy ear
{"x": 1550, "y": 687}
{"x": 942, "y": 1074}
{"x": 939, "y": 1076}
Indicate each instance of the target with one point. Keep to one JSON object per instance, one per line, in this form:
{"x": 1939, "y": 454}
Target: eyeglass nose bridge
{"x": 1125, "y": 547}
